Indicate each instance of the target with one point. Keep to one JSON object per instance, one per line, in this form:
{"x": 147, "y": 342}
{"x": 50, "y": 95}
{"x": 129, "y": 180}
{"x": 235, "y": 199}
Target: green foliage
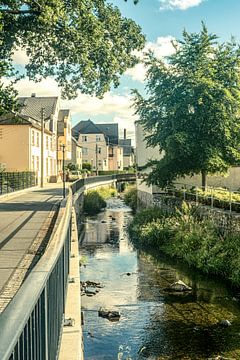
{"x": 72, "y": 167}
{"x": 87, "y": 166}
{"x": 185, "y": 236}
{"x": 84, "y": 45}
{"x": 93, "y": 202}
{"x": 192, "y": 109}
{"x": 130, "y": 197}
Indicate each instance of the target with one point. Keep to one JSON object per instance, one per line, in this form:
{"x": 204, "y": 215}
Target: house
{"x": 128, "y": 151}
{"x": 76, "y": 153}
{"x": 21, "y": 134}
{"x": 64, "y": 138}
{"x": 145, "y": 153}
{"x": 99, "y": 144}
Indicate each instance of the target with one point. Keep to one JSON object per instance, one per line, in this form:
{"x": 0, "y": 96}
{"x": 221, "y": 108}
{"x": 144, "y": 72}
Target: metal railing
{"x": 31, "y": 325}
{"x": 212, "y": 196}
{"x": 14, "y": 181}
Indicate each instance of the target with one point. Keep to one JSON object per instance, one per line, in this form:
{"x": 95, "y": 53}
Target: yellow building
{"x": 64, "y": 138}
{"x": 20, "y": 137}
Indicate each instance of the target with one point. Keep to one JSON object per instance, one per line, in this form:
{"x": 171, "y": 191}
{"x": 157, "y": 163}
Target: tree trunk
{"x": 204, "y": 180}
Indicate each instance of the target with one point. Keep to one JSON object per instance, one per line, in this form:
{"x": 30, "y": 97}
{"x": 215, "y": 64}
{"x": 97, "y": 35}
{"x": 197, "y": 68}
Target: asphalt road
{"x": 26, "y": 222}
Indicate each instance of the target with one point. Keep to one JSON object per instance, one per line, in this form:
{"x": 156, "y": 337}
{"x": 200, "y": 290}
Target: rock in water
{"x": 180, "y": 286}
{"x": 111, "y": 315}
{"x": 225, "y": 323}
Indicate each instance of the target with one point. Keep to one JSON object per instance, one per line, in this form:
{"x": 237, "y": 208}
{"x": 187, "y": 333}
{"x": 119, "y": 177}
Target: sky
{"x": 161, "y": 22}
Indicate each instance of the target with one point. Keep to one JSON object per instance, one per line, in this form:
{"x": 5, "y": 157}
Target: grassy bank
{"x": 186, "y": 236}
{"x": 95, "y": 200}
{"x": 130, "y": 197}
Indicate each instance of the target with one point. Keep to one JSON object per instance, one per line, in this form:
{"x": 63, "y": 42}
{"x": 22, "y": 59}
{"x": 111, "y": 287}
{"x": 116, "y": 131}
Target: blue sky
{"x": 161, "y": 21}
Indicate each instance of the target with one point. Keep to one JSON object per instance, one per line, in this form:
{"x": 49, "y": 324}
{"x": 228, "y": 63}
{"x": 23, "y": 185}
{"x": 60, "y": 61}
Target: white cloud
{"x": 117, "y": 106}
{"x": 178, "y": 4}
{"x": 20, "y": 57}
{"x": 161, "y": 48}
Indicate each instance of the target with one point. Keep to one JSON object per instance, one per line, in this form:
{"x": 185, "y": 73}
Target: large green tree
{"x": 85, "y": 45}
{"x": 191, "y": 110}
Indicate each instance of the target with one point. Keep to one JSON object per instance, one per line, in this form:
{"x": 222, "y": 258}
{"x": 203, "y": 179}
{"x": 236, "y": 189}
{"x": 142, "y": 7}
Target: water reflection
{"x": 154, "y": 323}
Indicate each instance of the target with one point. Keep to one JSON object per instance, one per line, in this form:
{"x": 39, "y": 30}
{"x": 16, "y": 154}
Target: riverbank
{"x": 154, "y": 324}
{"x": 186, "y": 236}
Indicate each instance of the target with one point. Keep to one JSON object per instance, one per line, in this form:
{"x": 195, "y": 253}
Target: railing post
{"x": 45, "y": 325}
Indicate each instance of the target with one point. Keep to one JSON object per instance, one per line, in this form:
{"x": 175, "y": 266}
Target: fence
{"x": 13, "y": 181}
{"x": 211, "y": 196}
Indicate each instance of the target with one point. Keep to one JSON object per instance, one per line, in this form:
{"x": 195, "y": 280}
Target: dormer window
{"x": 84, "y": 138}
{"x": 98, "y": 138}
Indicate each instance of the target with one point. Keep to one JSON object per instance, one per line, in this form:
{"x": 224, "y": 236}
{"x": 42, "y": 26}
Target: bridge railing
{"x": 31, "y": 324}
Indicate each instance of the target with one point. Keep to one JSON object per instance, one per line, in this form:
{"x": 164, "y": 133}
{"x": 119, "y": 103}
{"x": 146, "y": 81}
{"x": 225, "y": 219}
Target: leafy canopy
{"x": 85, "y": 45}
{"x": 192, "y": 108}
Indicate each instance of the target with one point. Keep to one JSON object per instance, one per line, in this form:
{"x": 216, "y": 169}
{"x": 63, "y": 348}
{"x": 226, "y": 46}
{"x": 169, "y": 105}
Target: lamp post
{"x": 63, "y": 169}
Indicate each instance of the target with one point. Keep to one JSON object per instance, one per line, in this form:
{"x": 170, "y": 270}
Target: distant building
{"x": 76, "y": 153}
{"x": 128, "y": 151}
{"x": 100, "y": 145}
{"x": 64, "y": 138}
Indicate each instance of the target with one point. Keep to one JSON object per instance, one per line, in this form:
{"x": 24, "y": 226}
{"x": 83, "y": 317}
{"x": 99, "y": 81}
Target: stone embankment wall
{"x": 226, "y": 221}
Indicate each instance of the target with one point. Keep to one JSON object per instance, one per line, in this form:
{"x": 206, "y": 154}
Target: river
{"x": 154, "y": 324}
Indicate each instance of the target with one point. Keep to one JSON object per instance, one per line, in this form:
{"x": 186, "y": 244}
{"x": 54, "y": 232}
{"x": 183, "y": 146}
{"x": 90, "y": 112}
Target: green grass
{"x": 94, "y": 200}
{"x": 185, "y": 236}
{"x": 130, "y": 197}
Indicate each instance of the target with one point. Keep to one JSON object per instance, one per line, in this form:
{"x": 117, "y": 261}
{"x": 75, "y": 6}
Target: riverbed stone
{"x": 179, "y": 286}
{"x": 111, "y": 315}
{"x": 225, "y": 323}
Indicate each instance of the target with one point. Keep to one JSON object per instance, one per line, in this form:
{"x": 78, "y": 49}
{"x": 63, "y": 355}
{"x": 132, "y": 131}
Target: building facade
{"x": 100, "y": 145}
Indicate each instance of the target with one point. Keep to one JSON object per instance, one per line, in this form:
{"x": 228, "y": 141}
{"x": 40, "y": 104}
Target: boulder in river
{"x": 111, "y": 315}
{"x": 179, "y": 286}
{"x": 225, "y": 323}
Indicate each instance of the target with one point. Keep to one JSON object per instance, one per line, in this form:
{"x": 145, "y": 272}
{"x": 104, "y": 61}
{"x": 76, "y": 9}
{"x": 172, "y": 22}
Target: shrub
{"x": 130, "y": 197}
{"x": 93, "y": 202}
{"x": 87, "y": 166}
{"x": 192, "y": 239}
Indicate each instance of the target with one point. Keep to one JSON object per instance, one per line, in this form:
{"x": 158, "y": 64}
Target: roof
{"x": 63, "y": 113}
{"x": 32, "y": 106}
{"x": 88, "y": 127}
{"x": 127, "y": 146}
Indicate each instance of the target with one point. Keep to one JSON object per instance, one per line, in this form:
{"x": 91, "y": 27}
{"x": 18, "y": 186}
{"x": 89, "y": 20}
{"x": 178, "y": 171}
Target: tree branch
{"x": 19, "y": 12}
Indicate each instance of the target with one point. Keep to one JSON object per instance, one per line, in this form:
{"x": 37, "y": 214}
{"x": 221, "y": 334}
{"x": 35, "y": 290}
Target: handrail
{"x": 15, "y": 317}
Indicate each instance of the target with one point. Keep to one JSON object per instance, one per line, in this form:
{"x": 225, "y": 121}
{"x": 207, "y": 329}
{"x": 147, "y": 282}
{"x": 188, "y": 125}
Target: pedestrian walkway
{"x": 26, "y": 223}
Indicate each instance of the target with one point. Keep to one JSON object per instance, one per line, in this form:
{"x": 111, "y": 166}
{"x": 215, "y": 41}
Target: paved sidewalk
{"x": 26, "y": 222}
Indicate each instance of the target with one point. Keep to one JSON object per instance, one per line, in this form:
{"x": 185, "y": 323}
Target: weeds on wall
{"x": 186, "y": 236}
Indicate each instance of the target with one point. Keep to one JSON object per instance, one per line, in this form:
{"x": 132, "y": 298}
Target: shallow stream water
{"x": 154, "y": 324}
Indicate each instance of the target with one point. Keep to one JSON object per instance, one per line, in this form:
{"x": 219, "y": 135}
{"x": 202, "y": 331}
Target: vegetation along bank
{"x": 95, "y": 200}
{"x": 187, "y": 236}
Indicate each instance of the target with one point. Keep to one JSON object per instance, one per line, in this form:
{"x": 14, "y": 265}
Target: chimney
{"x": 33, "y": 95}
{"x": 125, "y": 134}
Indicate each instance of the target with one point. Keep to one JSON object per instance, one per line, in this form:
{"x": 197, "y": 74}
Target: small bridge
{"x": 31, "y": 322}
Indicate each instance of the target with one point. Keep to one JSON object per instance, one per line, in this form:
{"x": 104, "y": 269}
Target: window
{"x": 47, "y": 145}
{"x": 33, "y": 163}
{"x": 85, "y": 151}
{"x": 33, "y": 137}
{"x": 37, "y": 161}
{"x": 51, "y": 143}
{"x": 105, "y": 162}
{"x": 99, "y": 162}
{"x": 84, "y": 138}
{"x": 37, "y": 139}
{"x": 99, "y": 150}
{"x": 98, "y": 138}
{"x": 47, "y": 171}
